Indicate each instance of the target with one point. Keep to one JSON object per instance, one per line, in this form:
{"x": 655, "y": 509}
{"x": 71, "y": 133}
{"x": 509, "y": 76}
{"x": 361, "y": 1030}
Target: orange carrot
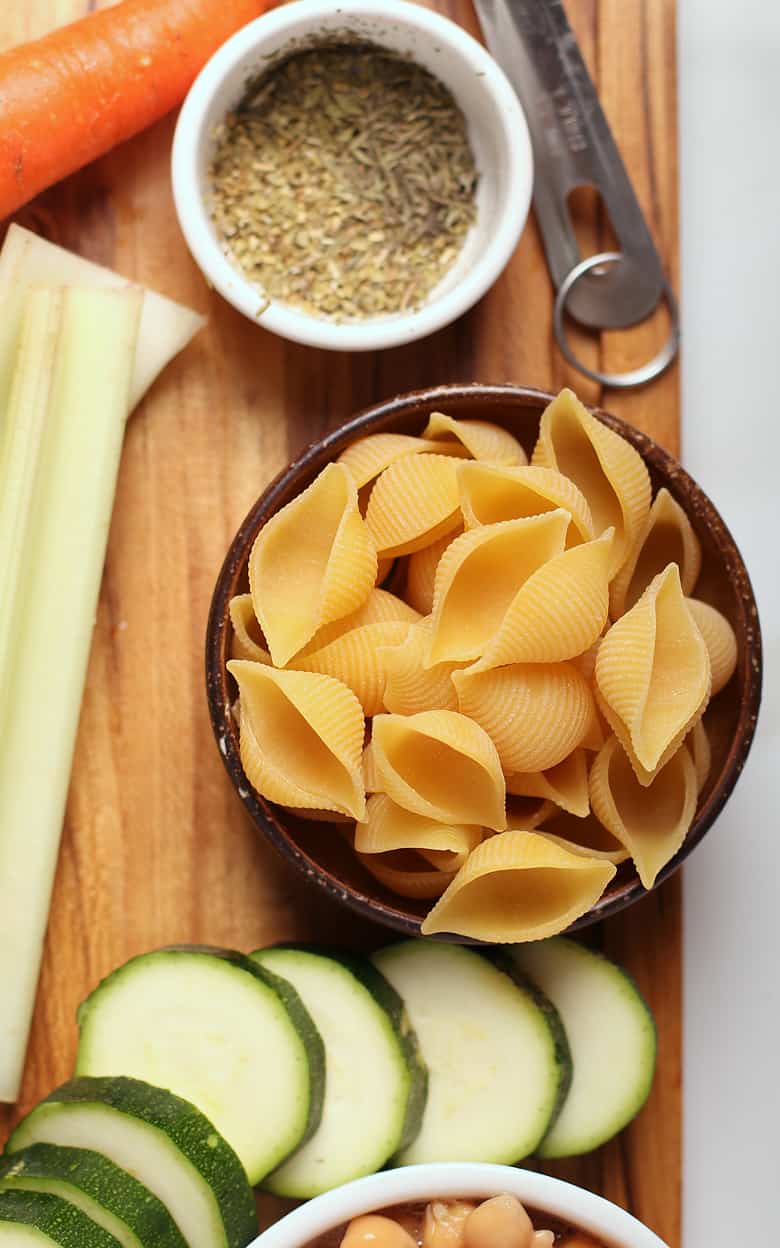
{"x": 74, "y": 94}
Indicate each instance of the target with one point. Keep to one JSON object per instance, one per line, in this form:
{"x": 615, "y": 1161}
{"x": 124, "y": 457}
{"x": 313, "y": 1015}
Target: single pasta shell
{"x": 370, "y": 778}
{"x": 667, "y": 536}
{"x": 489, "y": 495}
{"x": 653, "y": 674}
{"x": 479, "y": 576}
{"x": 380, "y": 607}
{"x": 560, "y": 610}
{"x": 442, "y": 765}
{"x": 421, "y": 572}
{"x": 518, "y": 886}
{"x": 480, "y": 438}
{"x": 698, "y": 744}
{"x": 389, "y": 827}
{"x": 312, "y": 563}
{"x": 535, "y": 713}
{"x": 720, "y": 640}
{"x": 414, "y": 503}
{"x": 652, "y": 822}
{"x": 357, "y": 658}
{"x": 586, "y": 836}
{"x": 407, "y": 874}
{"x": 368, "y": 457}
{"x": 301, "y": 738}
{"x": 565, "y": 784}
{"x": 410, "y": 687}
{"x": 604, "y": 466}
{"x": 247, "y": 640}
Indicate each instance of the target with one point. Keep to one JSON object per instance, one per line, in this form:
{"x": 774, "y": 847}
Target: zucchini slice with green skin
{"x": 111, "y": 1197}
{"x": 34, "y": 1219}
{"x": 497, "y": 1067}
{"x": 375, "y": 1082}
{"x": 166, "y": 1143}
{"x": 612, "y": 1036}
{"x": 219, "y": 1030}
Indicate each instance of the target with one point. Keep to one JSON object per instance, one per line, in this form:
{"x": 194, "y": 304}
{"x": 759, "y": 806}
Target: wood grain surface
{"x": 155, "y": 847}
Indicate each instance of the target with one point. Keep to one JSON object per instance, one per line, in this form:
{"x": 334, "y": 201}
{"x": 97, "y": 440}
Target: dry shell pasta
{"x": 414, "y": 503}
{"x": 479, "y": 576}
{"x": 247, "y": 640}
{"x": 389, "y": 827}
{"x": 719, "y": 639}
{"x": 536, "y": 713}
{"x": 651, "y": 822}
{"x": 366, "y": 458}
{"x": 410, "y": 687}
{"x": 566, "y": 784}
{"x": 667, "y": 536}
{"x": 559, "y": 612}
{"x": 518, "y": 886}
{"x": 407, "y": 874}
{"x": 301, "y": 738}
{"x": 605, "y": 467}
{"x": 480, "y": 438}
{"x": 489, "y": 495}
{"x": 293, "y": 596}
{"x": 442, "y": 765}
{"x": 653, "y": 674}
{"x": 356, "y": 658}
{"x": 421, "y": 572}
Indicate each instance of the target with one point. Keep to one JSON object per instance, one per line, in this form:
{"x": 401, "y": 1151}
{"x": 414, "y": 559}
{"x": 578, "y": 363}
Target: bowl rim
{"x": 451, "y": 397}
{"x": 285, "y": 320}
{"x": 584, "y": 1209}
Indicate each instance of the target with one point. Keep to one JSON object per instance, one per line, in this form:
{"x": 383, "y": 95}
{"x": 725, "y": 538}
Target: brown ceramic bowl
{"x": 326, "y": 860}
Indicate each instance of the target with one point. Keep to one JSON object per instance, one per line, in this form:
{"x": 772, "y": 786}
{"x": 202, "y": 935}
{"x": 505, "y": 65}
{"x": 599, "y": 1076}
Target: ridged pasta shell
{"x": 407, "y": 874}
{"x": 366, "y": 458}
{"x": 667, "y": 536}
{"x": 698, "y": 744}
{"x": 479, "y": 576}
{"x": 481, "y": 439}
{"x": 389, "y": 827}
{"x": 651, "y": 822}
{"x": 489, "y": 495}
{"x": 421, "y": 572}
{"x": 518, "y": 886}
{"x": 653, "y": 674}
{"x": 410, "y": 687}
{"x": 605, "y": 467}
{"x": 565, "y": 784}
{"x": 380, "y": 607}
{"x": 357, "y": 659}
{"x": 313, "y": 562}
{"x": 585, "y": 836}
{"x": 536, "y": 713}
{"x": 414, "y": 503}
{"x": 370, "y": 778}
{"x": 559, "y": 612}
{"x": 301, "y": 738}
{"x": 247, "y": 640}
{"x": 441, "y": 765}
{"x": 720, "y": 640}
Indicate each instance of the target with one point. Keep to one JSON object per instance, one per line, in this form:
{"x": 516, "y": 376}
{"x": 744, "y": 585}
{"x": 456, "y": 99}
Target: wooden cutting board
{"x": 156, "y": 848}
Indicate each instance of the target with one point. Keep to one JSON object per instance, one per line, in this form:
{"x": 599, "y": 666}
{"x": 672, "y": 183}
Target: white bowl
{"x": 497, "y": 130}
{"x": 589, "y": 1213}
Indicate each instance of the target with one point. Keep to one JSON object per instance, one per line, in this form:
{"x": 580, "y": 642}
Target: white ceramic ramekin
{"x": 497, "y": 129}
{"x": 589, "y": 1213}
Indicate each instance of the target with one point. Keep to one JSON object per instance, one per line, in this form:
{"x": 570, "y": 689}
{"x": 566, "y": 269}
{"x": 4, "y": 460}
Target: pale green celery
{"x": 62, "y": 557}
{"x": 27, "y": 260}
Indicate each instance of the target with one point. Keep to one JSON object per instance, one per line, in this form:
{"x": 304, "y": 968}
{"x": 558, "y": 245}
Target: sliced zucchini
{"x": 163, "y": 1141}
{"x": 375, "y": 1084}
{"x": 108, "y": 1195}
{"x": 220, "y": 1031}
{"x": 612, "y": 1036}
{"x": 497, "y": 1063}
{"x": 34, "y": 1219}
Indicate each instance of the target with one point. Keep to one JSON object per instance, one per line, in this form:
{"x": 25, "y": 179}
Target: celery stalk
{"x": 61, "y": 565}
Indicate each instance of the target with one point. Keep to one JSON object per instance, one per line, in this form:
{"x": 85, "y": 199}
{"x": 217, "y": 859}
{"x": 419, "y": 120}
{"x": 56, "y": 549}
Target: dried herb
{"x": 345, "y": 182}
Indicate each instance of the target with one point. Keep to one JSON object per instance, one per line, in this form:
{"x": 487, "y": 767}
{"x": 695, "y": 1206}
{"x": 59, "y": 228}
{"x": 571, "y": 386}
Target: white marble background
{"x": 729, "y": 76}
